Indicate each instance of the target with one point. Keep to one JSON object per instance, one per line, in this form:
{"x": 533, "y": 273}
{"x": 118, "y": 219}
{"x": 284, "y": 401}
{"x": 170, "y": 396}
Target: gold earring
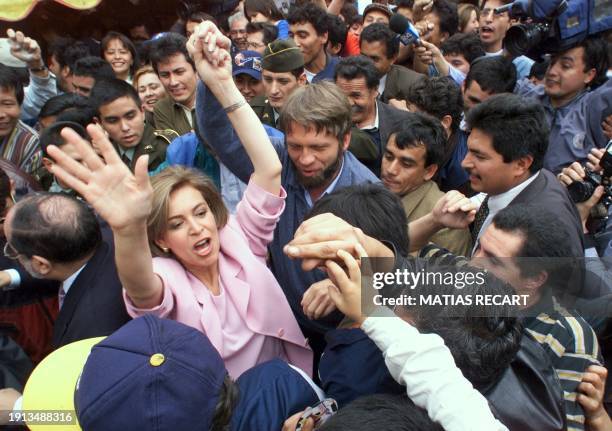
{"x": 165, "y": 250}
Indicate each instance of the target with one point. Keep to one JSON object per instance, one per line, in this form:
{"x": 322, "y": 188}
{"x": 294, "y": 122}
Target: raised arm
{"x": 209, "y": 49}
{"x": 122, "y": 199}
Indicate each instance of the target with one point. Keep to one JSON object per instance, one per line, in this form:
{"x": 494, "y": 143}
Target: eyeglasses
{"x": 487, "y": 11}
{"x": 10, "y": 252}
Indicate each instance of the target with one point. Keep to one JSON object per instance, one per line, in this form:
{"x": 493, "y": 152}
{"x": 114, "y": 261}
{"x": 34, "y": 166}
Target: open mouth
{"x": 202, "y": 247}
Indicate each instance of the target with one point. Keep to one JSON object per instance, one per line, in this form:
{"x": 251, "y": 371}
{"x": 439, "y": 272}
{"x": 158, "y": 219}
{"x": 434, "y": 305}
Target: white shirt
{"x": 423, "y": 364}
{"x": 499, "y": 202}
{"x": 309, "y": 75}
{"x": 382, "y": 84}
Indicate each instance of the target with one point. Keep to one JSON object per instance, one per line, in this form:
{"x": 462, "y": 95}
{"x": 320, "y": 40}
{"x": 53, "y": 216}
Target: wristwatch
{"x": 38, "y": 69}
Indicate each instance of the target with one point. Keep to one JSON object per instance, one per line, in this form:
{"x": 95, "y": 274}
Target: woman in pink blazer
{"x": 179, "y": 254}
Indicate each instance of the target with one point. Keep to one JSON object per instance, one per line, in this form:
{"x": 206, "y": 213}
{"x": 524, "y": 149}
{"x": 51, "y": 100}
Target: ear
{"x": 325, "y": 37}
{"x": 444, "y": 36}
{"x": 523, "y": 164}
{"x": 346, "y": 141}
{"x": 161, "y": 243}
{"x": 590, "y": 76}
{"x": 41, "y": 265}
{"x": 430, "y": 171}
{"x": 302, "y": 80}
{"x": 447, "y": 121}
{"x": 65, "y": 72}
{"x": 534, "y": 283}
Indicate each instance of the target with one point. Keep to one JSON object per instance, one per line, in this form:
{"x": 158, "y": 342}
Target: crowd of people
{"x": 191, "y": 222}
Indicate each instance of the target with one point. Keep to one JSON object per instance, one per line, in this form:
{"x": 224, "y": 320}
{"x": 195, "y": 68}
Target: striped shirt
{"x": 567, "y": 338}
{"x": 22, "y": 147}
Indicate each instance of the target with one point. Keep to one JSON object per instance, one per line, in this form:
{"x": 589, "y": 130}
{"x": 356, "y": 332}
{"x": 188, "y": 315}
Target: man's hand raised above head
{"x": 25, "y": 49}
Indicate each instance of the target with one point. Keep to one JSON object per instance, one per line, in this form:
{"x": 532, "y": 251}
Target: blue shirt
{"x": 574, "y": 128}
{"x": 327, "y": 74}
{"x": 283, "y": 29}
{"x": 216, "y": 128}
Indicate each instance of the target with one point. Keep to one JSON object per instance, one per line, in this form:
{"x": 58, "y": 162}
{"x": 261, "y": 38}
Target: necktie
{"x": 125, "y": 159}
{"x": 61, "y": 295}
{"x": 481, "y": 216}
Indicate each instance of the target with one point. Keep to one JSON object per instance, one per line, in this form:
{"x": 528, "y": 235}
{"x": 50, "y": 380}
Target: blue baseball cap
{"x": 152, "y": 374}
{"x": 248, "y": 62}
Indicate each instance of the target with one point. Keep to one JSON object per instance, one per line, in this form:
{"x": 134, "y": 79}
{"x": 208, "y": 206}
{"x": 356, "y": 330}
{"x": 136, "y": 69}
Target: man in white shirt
{"x": 505, "y": 156}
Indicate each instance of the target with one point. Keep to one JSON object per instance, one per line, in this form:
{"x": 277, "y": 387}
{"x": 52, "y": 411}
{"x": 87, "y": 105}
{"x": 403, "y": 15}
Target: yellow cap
{"x": 52, "y": 384}
{"x": 157, "y": 359}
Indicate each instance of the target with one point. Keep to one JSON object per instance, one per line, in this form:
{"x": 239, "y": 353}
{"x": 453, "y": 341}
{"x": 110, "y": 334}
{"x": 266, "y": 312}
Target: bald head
{"x": 55, "y": 226}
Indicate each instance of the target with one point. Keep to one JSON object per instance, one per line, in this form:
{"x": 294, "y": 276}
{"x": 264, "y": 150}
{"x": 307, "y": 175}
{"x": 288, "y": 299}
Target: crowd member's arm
{"x": 122, "y": 199}
{"x": 335, "y": 6}
{"x": 606, "y": 126}
{"x": 427, "y": 54}
{"x": 591, "y": 399}
{"x": 453, "y": 211}
{"x": 421, "y": 362}
{"x": 209, "y": 49}
{"x": 42, "y": 87}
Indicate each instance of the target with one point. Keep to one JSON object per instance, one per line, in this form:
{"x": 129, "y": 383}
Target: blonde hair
{"x": 464, "y": 10}
{"x": 142, "y": 71}
{"x": 169, "y": 180}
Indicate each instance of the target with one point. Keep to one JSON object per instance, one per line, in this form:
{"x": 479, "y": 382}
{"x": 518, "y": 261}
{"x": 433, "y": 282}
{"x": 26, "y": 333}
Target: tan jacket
{"x": 420, "y": 202}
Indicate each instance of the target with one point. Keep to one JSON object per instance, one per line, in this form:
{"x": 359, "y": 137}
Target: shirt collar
{"x": 382, "y": 84}
{"x": 129, "y": 153}
{"x": 502, "y": 200}
{"x": 329, "y": 188}
{"x": 375, "y": 125}
{"x": 67, "y": 284}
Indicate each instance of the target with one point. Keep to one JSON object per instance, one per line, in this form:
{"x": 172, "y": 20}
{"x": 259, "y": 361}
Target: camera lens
{"x": 522, "y": 37}
{"x": 580, "y": 191}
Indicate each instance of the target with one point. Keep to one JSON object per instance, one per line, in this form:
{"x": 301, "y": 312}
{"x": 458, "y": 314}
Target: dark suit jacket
{"x": 390, "y": 120}
{"x": 399, "y": 81}
{"x": 546, "y": 191}
{"x": 94, "y": 305}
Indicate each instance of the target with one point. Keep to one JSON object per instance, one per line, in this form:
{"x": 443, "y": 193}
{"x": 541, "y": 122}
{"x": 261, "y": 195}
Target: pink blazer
{"x": 253, "y": 288}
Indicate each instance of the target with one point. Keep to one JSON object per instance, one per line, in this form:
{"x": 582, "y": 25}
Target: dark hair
{"x": 379, "y": 32}
{"x": 199, "y": 16}
{"x": 54, "y": 226}
{"x": 465, "y": 44}
{"x": 420, "y": 129}
{"x": 358, "y": 66}
{"x": 483, "y": 339}
{"x": 404, "y": 4}
{"x": 51, "y": 135}
{"x": 545, "y": 241}
{"x": 596, "y": 57}
{"x": 228, "y": 398}
{"x": 61, "y": 103}
{"x": 309, "y": 13}
{"x": 438, "y": 96}
{"x": 82, "y": 114}
{"x": 381, "y": 412}
{"x": 67, "y": 51}
{"x": 9, "y": 80}
{"x": 538, "y": 69}
{"x": 372, "y": 208}
{"x": 166, "y": 46}
{"x": 494, "y": 74}
{"x": 349, "y": 12}
{"x": 517, "y": 127}
{"x": 269, "y": 31}
{"x": 127, "y": 43}
{"x": 447, "y": 14}
{"x": 93, "y": 67}
{"x": 265, "y": 7}
{"x": 337, "y": 31}
{"x": 106, "y": 91}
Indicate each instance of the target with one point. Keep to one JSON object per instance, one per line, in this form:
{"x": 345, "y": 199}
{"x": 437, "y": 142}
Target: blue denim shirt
{"x": 574, "y": 128}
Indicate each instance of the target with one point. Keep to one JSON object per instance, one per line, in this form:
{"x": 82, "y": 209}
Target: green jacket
{"x": 154, "y": 143}
{"x": 170, "y": 115}
{"x": 264, "y": 111}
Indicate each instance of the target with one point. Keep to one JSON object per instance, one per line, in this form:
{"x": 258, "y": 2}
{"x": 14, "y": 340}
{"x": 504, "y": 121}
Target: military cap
{"x": 282, "y": 55}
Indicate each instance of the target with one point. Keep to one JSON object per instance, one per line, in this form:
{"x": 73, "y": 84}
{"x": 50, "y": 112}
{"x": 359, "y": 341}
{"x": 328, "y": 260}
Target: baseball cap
{"x": 248, "y": 62}
{"x": 151, "y": 374}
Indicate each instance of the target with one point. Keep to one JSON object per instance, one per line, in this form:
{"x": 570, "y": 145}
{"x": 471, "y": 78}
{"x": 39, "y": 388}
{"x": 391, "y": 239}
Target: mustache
{"x": 356, "y": 109}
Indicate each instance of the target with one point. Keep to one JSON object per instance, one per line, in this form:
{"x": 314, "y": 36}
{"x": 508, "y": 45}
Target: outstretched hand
{"x": 121, "y": 198}
{"x": 25, "y": 49}
{"x": 210, "y": 51}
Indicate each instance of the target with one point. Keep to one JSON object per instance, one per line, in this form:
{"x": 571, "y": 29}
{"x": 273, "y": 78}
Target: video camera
{"x": 581, "y": 191}
{"x": 550, "y": 26}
